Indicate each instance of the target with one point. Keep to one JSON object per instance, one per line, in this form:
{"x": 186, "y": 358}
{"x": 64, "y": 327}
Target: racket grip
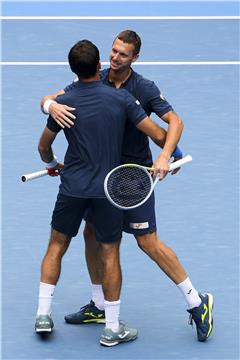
{"x": 34, "y": 175}
{"x": 180, "y": 162}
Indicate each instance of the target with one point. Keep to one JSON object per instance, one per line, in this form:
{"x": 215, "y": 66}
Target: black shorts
{"x": 139, "y": 221}
{"x": 69, "y": 211}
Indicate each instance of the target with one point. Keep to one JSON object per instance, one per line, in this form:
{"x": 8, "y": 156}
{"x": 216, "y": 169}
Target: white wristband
{"x": 46, "y": 105}
{"x": 52, "y": 163}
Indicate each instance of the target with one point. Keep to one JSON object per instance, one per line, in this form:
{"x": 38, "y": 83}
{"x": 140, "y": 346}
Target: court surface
{"x": 195, "y": 62}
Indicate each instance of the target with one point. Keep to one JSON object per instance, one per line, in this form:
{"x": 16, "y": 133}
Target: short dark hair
{"x": 83, "y": 59}
{"x": 131, "y": 37}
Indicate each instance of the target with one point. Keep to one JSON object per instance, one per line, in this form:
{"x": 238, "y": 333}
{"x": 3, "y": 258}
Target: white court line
{"x": 151, "y": 63}
{"x": 119, "y": 17}
{"x": 145, "y": 63}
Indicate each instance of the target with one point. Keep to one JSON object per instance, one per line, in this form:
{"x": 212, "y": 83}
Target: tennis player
{"x": 141, "y": 222}
{"x": 94, "y": 148}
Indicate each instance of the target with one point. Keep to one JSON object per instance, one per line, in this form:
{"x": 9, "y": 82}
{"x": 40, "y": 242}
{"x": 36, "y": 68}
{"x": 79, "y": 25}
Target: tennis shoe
{"x": 86, "y": 315}
{"x": 44, "y": 324}
{"x": 112, "y": 338}
{"x": 203, "y": 317}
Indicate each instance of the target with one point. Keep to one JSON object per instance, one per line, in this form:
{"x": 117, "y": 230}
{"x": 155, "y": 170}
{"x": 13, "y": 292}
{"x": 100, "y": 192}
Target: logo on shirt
{"x": 137, "y": 102}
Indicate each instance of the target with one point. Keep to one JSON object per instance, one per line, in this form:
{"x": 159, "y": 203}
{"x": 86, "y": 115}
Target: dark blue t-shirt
{"x": 136, "y": 147}
{"x": 95, "y": 140}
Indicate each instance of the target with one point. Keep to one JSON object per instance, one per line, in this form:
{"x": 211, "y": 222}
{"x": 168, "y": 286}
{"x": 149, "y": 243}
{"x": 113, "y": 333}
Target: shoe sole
{"x": 40, "y": 331}
{"x": 117, "y": 342}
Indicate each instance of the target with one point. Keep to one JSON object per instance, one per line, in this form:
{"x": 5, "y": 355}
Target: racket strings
{"x": 128, "y": 186}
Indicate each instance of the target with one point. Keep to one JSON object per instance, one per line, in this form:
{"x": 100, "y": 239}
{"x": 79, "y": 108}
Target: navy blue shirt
{"x": 95, "y": 140}
{"x": 136, "y": 147}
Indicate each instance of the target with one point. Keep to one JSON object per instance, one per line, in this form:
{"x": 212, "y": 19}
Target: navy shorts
{"x": 69, "y": 211}
{"x": 142, "y": 220}
{"x": 139, "y": 221}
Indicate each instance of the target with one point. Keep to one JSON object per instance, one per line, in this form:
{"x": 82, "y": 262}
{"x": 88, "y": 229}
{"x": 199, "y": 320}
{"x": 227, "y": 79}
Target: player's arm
{"x": 160, "y": 141}
{"x": 137, "y": 115}
{"x": 175, "y": 128}
{"x": 60, "y": 113}
{"x": 150, "y": 128}
{"x": 173, "y": 134}
{"x": 161, "y": 107}
{"x": 45, "y": 150}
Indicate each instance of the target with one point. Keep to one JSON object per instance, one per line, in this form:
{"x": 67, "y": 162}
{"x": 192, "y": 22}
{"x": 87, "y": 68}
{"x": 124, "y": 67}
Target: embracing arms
{"x": 60, "y": 113}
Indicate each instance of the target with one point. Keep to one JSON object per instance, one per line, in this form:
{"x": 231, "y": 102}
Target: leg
{"x": 50, "y": 272}
{"x": 66, "y": 219}
{"x": 164, "y": 256}
{"x": 108, "y": 227}
{"x": 199, "y": 305}
{"x": 51, "y": 264}
{"x": 168, "y": 262}
{"x": 114, "y": 332}
{"x": 107, "y": 256}
{"x": 112, "y": 275}
{"x": 101, "y": 259}
{"x": 92, "y": 312}
{"x": 142, "y": 223}
{"x": 92, "y": 250}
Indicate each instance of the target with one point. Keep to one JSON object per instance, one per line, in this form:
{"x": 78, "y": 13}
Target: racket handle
{"x": 180, "y": 162}
{"x": 34, "y": 175}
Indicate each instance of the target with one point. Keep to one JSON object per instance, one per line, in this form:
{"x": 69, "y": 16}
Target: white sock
{"x": 98, "y": 296}
{"x": 112, "y": 311}
{"x": 190, "y": 293}
{"x": 45, "y": 298}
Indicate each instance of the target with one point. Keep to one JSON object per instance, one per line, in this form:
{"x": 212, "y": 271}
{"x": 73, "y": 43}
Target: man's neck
{"x": 91, "y": 79}
{"x": 119, "y": 78}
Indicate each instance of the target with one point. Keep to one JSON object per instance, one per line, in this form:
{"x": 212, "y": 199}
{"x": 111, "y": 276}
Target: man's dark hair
{"x": 131, "y": 37}
{"x": 83, "y": 59}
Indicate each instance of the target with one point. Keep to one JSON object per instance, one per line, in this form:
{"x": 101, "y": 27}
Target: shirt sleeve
{"x": 52, "y": 125}
{"x": 135, "y": 112}
{"x": 158, "y": 104}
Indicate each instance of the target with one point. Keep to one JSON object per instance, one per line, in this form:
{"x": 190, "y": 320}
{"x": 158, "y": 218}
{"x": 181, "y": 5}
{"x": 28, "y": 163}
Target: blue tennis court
{"x": 195, "y": 62}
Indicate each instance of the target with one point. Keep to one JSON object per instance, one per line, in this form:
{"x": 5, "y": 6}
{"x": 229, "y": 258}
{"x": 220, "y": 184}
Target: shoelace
{"x": 123, "y": 323}
{"x": 86, "y": 307}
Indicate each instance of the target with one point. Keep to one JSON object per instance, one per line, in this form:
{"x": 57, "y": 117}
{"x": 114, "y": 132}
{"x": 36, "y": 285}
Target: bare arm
{"x": 173, "y": 134}
{"x": 51, "y": 97}
{"x": 45, "y": 149}
{"x": 59, "y": 112}
{"x": 150, "y": 128}
{"x": 175, "y": 128}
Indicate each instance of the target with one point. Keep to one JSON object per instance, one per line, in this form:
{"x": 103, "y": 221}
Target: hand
{"x": 62, "y": 114}
{"x": 176, "y": 170}
{"x": 56, "y": 170}
{"x": 162, "y": 166}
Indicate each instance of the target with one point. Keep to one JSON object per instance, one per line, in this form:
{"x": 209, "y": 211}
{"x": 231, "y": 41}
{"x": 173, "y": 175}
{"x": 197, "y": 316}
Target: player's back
{"x": 95, "y": 140}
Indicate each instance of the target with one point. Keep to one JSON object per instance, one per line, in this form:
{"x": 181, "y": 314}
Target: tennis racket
{"x": 130, "y": 185}
{"x": 38, "y": 174}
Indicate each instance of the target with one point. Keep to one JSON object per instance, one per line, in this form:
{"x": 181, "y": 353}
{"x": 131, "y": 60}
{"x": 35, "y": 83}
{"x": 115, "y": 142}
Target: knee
{"x": 146, "y": 242}
{"x": 156, "y": 248}
{"x": 109, "y": 251}
{"x": 151, "y": 245}
{"x": 58, "y": 244}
